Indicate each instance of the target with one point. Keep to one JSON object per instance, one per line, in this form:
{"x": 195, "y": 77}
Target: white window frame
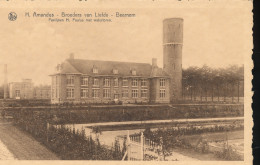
{"x": 144, "y": 93}
{"x": 116, "y": 82}
{"x": 95, "y": 70}
{"x": 106, "y": 93}
{"x": 70, "y": 80}
{"x": 134, "y": 83}
{"x": 162, "y": 93}
{"x": 84, "y": 81}
{"x": 95, "y": 82}
{"x": 134, "y": 93}
{"x": 95, "y": 93}
{"x": 125, "y": 82}
{"x": 106, "y": 82}
{"x": 115, "y": 71}
{"x": 162, "y": 82}
{"x": 70, "y": 93}
{"x": 143, "y": 82}
{"x": 84, "y": 93}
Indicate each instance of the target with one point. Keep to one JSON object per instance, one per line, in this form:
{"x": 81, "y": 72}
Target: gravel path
{"x": 16, "y": 144}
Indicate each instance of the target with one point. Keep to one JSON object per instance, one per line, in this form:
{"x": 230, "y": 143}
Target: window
{"x": 133, "y": 72}
{"x": 144, "y": 83}
{"x": 115, "y": 71}
{"x": 95, "y": 93}
{"x": 116, "y": 82}
{"x": 125, "y": 93}
{"x": 134, "y": 83}
{"x": 134, "y": 93}
{"x": 70, "y": 93}
{"x": 162, "y": 82}
{"x": 70, "y": 80}
{"x": 143, "y": 93}
{"x": 106, "y": 93}
{"x": 96, "y": 82}
{"x": 17, "y": 93}
{"x": 162, "y": 93}
{"x": 95, "y": 70}
{"x": 84, "y": 81}
{"x": 125, "y": 82}
{"x": 107, "y": 82}
{"x": 84, "y": 93}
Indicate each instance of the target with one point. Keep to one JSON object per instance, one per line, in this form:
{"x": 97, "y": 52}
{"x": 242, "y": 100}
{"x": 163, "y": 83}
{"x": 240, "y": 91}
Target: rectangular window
{"x": 125, "y": 93}
{"x": 116, "y": 82}
{"x": 95, "y": 70}
{"x": 143, "y": 82}
{"x": 143, "y": 93}
{"x": 96, "y": 82}
{"x": 134, "y": 93}
{"x": 70, "y": 93}
{"x": 70, "y": 80}
{"x": 134, "y": 83}
{"x": 84, "y": 93}
{"x": 162, "y": 82}
{"x": 125, "y": 82}
{"x": 17, "y": 93}
{"x": 95, "y": 93}
{"x": 162, "y": 93}
{"x": 107, "y": 82}
{"x": 106, "y": 93}
{"x": 84, "y": 81}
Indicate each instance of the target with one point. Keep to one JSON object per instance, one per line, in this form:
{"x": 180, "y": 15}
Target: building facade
{"x": 93, "y": 81}
{"x": 21, "y": 90}
{"x": 42, "y": 92}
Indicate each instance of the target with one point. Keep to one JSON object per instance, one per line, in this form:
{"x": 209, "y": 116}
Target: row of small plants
{"x": 66, "y": 143}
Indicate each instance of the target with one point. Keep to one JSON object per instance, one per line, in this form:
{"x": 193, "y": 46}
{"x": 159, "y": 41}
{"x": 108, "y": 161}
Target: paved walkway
{"x": 16, "y": 144}
{"x": 166, "y": 121}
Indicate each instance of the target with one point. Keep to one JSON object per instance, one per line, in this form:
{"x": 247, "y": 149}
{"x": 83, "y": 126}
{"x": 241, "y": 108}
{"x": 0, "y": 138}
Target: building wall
{"x": 25, "y": 89}
{"x": 155, "y": 91}
{"x": 59, "y": 85}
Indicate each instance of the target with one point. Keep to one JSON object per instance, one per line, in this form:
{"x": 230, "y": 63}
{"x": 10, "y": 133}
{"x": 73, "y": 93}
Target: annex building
{"x": 95, "y": 81}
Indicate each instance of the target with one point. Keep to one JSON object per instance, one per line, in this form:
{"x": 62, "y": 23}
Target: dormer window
{"x": 115, "y": 71}
{"x": 95, "y": 70}
{"x": 133, "y": 72}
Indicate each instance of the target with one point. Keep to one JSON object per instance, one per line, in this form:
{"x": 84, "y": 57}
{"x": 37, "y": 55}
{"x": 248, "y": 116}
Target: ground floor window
{"x": 70, "y": 92}
{"x": 125, "y": 93}
{"x": 134, "y": 93}
{"x": 144, "y": 93}
{"x": 95, "y": 93}
{"x": 106, "y": 93}
{"x": 84, "y": 93}
{"x": 162, "y": 93}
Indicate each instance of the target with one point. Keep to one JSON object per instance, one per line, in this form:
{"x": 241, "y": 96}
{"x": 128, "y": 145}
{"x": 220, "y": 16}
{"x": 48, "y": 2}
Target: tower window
{"x": 162, "y": 82}
{"x": 162, "y": 93}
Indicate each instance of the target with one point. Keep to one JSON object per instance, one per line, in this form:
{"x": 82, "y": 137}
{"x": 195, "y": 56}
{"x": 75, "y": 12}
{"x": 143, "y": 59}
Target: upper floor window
{"x": 107, "y": 82}
{"x": 144, "y": 82}
{"x": 84, "y": 81}
{"x": 115, "y": 71}
{"x": 70, "y": 80}
{"x": 95, "y": 70}
{"x": 125, "y": 82}
{"x": 116, "y": 82}
{"x": 134, "y": 83}
{"x": 106, "y": 93}
{"x": 96, "y": 82}
{"x": 162, "y": 82}
{"x": 17, "y": 93}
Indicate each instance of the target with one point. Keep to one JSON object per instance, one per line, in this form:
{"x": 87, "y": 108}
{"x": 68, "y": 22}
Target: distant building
{"x": 26, "y": 90}
{"x": 42, "y": 92}
{"x": 94, "y": 81}
{"x": 21, "y": 90}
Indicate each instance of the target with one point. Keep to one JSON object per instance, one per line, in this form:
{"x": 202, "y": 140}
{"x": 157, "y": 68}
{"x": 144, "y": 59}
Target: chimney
{"x": 154, "y": 62}
{"x": 71, "y": 56}
{"x": 5, "y": 82}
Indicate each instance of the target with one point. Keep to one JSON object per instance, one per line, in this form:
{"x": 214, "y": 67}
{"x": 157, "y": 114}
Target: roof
{"x": 80, "y": 66}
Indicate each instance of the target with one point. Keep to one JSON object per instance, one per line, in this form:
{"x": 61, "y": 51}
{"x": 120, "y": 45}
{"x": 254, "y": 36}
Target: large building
{"x": 94, "y": 81}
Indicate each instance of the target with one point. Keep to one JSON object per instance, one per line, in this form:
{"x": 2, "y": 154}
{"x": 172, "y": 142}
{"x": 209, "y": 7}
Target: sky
{"x": 32, "y": 47}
